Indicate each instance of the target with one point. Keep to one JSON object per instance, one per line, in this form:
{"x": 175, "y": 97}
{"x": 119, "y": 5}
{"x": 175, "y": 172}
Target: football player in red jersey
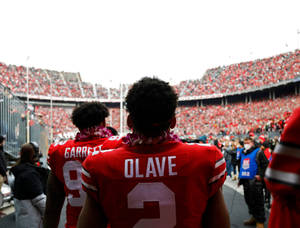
{"x": 283, "y": 176}
{"x": 153, "y": 179}
{"x": 65, "y": 161}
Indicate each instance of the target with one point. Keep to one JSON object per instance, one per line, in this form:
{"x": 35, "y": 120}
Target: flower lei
{"x": 133, "y": 139}
{"x": 93, "y": 133}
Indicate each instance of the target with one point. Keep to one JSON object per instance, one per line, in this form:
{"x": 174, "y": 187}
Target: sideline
{"x": 233, "y": 185}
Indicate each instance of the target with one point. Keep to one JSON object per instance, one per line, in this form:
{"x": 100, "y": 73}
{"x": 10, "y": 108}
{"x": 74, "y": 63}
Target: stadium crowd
{"x": 232, "y": 119}
{"x": 241, "y": 118}
{"x": 62, "y": 124}
{"x": 236, "y": 118}
{"x": 243, "y": 76}
{"x": 219, "y": 80}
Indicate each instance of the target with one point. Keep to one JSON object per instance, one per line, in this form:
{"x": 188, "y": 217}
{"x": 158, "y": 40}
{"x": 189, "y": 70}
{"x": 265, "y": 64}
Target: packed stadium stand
{"x": 244, "y": 76}
{"x": 198, "y": 118}
{"x": 220, "y": 80}
{"x": 62, "y": 119}
{"x": 241, "y": 118}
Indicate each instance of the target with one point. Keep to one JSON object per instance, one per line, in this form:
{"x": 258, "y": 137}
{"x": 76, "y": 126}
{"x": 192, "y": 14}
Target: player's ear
{"x": 129, "y": 122}
{"x": 173, "y": 122}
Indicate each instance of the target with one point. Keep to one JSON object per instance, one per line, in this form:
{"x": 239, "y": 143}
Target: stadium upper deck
{"x": 237, "y": 118}
{"x": 221, "y": 80}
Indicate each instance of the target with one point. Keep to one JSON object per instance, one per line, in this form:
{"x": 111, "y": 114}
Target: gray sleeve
{"x": 40, "y": 203}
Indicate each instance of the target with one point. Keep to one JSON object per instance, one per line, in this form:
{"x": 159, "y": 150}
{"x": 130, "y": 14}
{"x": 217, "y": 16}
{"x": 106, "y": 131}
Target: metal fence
{"x": 40, "y": 134}
{"x": 13, "y": 123}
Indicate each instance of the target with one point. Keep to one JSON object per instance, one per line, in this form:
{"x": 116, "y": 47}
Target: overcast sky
{"x": 124, "y": 40}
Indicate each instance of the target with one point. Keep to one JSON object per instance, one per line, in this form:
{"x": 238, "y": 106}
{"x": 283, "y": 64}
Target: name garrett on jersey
{"x": 80, "y": 152}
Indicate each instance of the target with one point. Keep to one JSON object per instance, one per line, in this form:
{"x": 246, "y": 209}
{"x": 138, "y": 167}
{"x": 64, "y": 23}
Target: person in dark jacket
{"x": 249, "y": 177}
{"x": 28, "y": 189}
{"x": 227, "y": 151}
{"x": 3, "y": 165}
{"x": 263, "y": 157}
{"x": 234, "y": 160}
{"x": 3, "y": 169}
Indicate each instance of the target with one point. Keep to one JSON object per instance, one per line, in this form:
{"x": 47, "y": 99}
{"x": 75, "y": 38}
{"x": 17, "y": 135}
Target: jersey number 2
{"x": 74, "y": 184}
{"x": 160, "y": 193}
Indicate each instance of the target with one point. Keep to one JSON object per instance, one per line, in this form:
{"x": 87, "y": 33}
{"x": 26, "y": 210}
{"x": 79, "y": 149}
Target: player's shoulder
{"x": 58, "y": 147}
{"x": 203, "y": 150}
{"x": 94, "y": 159}
{"x": 199, "y": 146}
{"x": 108, "y": 149}
{"x": 112, "y": 142}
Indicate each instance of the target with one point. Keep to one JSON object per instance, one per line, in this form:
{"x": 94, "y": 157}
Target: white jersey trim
{"x": 287, "y": 177}
{"x": 89, "y": 186}
{"x": 287, "y": 150}
{"x": 85, "y": 173}
{"x": 104, "y": 151}
{"x": 199, "y": 144}
{"x": 220, "y": 162}
{"x": 217, "y": 177}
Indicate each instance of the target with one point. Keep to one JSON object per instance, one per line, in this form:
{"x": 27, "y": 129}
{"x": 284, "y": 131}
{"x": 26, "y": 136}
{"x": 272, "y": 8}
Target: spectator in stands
{"x": 203, "y": 139}
{"x": 252, "y": 136}
{"x": 151, "y": 104}
{"x": 28, "y": 189}
{"x": 283, "y": 176}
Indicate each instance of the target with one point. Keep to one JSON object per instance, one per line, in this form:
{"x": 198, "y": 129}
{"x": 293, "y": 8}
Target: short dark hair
{"x": 89, "y": 114}
{"x": 266, "y": 144}
{"x": 2, "y": 138}
{"x": 151, "y": 104}
{"x": 27, "y": 153}
{"x": 249, "y": 139}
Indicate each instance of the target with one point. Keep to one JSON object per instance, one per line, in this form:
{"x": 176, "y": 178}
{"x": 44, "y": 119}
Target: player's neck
{"x": 133, "y": 139}
{"x": 92, "y": 133}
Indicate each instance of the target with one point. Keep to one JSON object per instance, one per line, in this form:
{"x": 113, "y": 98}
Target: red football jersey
{"x": 112, "y": 142}
{"x": 283, "y": 176}
{"x": 163, "y": 185}
{"x": 65, "y": 160}
{"x": 282, "y": 179}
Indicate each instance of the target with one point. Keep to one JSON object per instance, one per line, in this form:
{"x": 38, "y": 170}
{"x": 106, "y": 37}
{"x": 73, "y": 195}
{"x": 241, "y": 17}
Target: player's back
{"x": 163, "y": 185}
{"x": 65, "y": 160}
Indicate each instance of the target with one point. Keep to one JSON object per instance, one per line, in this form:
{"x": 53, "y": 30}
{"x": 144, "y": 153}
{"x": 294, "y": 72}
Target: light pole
{"x": 27, "y": 103}
{"x": 298, "y": 39}
{"x": 109, "y": 99}
{"x": 51, "y": 112}
{"x": 121, "y": 109}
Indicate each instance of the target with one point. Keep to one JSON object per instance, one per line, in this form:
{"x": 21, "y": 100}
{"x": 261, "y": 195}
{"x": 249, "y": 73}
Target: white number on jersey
{"x": 75, "y": 184}
{"x": 160, "y": 193}
{"x": 114, "y": 137}
{"x": 60, "y": 143}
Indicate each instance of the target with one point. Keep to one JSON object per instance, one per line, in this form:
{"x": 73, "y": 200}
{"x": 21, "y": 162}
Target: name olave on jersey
{"x": 152, "y": 167}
